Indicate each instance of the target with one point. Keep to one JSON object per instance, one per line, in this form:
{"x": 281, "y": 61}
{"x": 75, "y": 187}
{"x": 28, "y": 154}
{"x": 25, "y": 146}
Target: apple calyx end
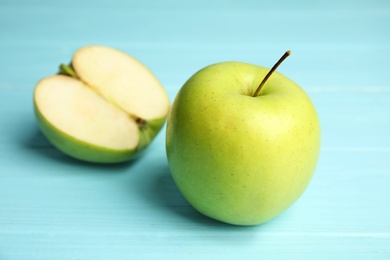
{"x": 285, "y": 55}
{"x": 142, "y": 123}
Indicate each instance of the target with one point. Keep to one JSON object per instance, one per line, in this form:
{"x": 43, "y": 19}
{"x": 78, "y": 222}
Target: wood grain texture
{"x": 54, "y": 207}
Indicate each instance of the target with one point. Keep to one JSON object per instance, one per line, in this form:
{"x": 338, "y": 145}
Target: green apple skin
{"x": 92, "y": 153}
{"x": 236, "y": 158}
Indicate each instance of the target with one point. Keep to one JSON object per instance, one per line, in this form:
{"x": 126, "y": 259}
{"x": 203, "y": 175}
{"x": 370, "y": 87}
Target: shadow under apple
{"x": 37, "y": 144}
{"x": 160, "y": 191}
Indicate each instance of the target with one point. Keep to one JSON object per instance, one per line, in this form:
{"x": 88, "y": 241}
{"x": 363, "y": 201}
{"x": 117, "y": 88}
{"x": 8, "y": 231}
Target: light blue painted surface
{"x": 53, "y": 207}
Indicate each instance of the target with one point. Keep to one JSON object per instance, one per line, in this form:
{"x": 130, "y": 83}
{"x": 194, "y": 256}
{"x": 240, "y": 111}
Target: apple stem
{"x": 285, "y": 55}
{"x": 67, "y": 70}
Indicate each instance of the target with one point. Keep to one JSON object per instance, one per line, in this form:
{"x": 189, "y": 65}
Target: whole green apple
{"x": 239, "y": 151}
{"x": 104, "y": 107}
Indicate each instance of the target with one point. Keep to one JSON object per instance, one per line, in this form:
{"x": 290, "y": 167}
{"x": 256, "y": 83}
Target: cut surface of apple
{"x": 105, "y": 107}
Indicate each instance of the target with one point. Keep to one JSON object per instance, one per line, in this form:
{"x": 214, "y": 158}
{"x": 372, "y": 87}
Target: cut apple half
{"x": 104, "y": 107}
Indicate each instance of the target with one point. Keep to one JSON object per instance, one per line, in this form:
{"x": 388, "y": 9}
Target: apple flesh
{"x": 105, "y": 107}
{"x": 237, "y": 158}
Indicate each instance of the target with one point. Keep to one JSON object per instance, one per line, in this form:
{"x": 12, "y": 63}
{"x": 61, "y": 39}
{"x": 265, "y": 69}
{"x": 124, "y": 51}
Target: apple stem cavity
{"x": 285, "y": 55}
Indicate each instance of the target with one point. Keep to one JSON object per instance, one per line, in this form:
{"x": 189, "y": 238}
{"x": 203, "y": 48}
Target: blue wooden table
{"x": 54, "y": 207}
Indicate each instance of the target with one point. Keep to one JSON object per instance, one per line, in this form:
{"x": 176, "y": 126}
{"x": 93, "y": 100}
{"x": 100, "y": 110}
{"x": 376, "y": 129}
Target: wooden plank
{"x": 54, "y": 207}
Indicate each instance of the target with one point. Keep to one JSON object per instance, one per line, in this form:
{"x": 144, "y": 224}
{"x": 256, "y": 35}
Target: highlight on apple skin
{"x": 238, "y": 157}
{"x": 105, "y": 107}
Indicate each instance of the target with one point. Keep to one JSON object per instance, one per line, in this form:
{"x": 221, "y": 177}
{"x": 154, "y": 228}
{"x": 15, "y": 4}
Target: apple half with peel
{"x": 105, "y": 107}
{"x": 242, "y": 142}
